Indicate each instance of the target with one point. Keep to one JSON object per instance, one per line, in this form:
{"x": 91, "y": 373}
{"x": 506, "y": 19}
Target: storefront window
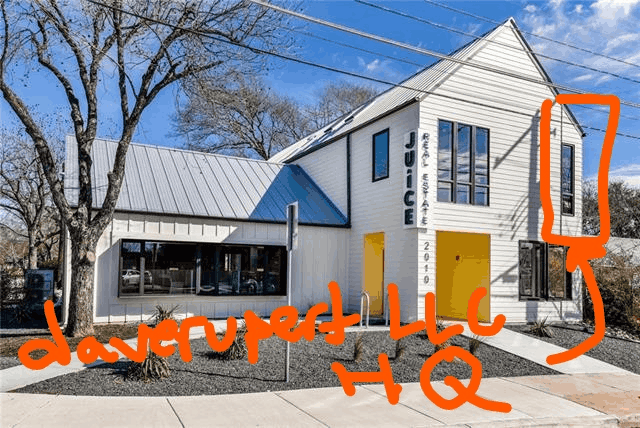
{"x": 224, "y": 270}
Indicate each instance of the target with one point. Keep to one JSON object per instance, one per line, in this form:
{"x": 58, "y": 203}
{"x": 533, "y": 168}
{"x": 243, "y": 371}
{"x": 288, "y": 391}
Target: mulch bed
{"x": 617, "y": 352}
{"x": 310, "y": 368}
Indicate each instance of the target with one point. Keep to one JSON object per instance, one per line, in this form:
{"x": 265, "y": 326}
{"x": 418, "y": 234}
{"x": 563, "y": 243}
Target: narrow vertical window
{"x": 445, "y": 161}
{"x": 463, "y": 164}
{"x": 568, "y": 178}
{"x": 481, "y": 167}
{"x": 381, "y": 155}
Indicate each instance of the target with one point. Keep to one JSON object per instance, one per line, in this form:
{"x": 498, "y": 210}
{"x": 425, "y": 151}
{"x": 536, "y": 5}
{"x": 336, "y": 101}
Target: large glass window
{"x": 568, "y": 197}
{"x": 380, "y": 168}
{"x": 463, "y": 163}
{"x": 543, "y": 272}
{"x": 204, "y": 269}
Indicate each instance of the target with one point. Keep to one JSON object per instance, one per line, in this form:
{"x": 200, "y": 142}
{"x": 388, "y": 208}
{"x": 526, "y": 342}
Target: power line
{"x": 482, "y": 18}
{"x": 425, "y": 51}
{"x": 346, "y": 45}
{"x": 328, "y": 68}
{"x": 458, "y": 31}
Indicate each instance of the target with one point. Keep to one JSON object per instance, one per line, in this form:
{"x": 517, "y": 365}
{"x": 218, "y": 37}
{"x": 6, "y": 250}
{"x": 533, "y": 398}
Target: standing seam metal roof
{"x": 162, "y": 180}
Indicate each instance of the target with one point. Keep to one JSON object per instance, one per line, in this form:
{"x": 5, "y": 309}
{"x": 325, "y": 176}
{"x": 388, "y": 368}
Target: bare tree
{"x": 25, "y": 196}
{"x": 242, "y": 116}
{"x": 624, "y": 210}
{"x": 151, "y": 45}
{"x": 239, "y": 116}
{"x": 337, "y": 99}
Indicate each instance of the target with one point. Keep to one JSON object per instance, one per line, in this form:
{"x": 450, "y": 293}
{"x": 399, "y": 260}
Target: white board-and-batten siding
{"x": 375, "y": 206}
{"x": 322, "y": 261}
{"x": 514, "y": 212}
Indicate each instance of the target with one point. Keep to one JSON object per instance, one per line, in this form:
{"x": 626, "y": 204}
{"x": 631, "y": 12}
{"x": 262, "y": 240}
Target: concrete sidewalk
{"x": 537, "y": 350}
{"x": 602, "y": 400}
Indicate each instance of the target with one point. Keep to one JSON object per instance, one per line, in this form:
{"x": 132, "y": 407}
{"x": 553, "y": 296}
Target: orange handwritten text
{"x": 283, "y": 321}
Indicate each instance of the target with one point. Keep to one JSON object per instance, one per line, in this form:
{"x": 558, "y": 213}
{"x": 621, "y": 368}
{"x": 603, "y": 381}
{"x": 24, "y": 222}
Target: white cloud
{"x": 630, "y": 174}
{"x": 583, "y": 78}
{"x": 614, "y": 9}
{"x": 530, "y": 8}
{"x": 473, "y": 28}
{"x": 602, "y": 79}
{"x": 578, "y": 8}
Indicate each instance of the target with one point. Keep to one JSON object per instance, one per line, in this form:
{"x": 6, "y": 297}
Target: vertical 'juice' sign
{"x": 583, "y": 248}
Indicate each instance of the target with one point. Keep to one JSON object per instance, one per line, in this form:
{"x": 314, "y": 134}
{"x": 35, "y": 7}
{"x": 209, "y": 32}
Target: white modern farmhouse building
{"x": 433, "y": 185}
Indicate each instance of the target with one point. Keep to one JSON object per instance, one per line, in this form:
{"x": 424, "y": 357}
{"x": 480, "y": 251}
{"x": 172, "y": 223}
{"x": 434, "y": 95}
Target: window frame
{"x": 198, "y": 260}
{"x": 453, "y": 182}
{"x": 543, "y": 289}
{"x": 572, "y": 194}
{"x": 373, "y": 156}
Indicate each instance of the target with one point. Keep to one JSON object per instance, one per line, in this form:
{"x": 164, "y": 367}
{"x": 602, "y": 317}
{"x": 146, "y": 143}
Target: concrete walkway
{"x": 536, "y": 350}
{"x": 568, "y": 400}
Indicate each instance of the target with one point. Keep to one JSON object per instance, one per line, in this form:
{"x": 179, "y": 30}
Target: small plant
{"x": 440, "y": 326}
{"x": 161, "y": 313}
{"x": 541, "y": 328}
{"x": 401, "y": 348}
{"x": 238, "y": 348}
{"x": 154, "y": 367}
{"x": 474, "y": 344}
{"x": 358, "y": 348}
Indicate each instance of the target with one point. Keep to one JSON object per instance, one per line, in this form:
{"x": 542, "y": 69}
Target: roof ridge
{"x": 372, "y": 101}
{"x": 133, "y": 143}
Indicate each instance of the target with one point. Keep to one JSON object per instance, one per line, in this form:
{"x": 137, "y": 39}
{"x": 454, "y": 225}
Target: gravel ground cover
{"x": 621, "y": 353}
{"x": 7, "y": 362}
{"x": 310, "y": 368}
{"x": 12, "y": 339}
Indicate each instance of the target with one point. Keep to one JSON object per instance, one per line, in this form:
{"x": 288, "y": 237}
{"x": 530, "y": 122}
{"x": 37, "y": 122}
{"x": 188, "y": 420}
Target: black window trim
{"x": 545, "y": 288}
{"x": 573, "y": 181}
{"x": 198, "y": 260}
{"x": 373, "y": 156}
{"x": 472, "y": 166}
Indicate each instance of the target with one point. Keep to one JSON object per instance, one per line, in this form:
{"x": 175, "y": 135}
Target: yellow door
{"x": 462, "y": 265}
{"x": 374, "y": 271}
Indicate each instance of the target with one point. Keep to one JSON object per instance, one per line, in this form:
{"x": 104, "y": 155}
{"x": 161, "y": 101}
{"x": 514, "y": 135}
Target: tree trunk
{"x": 33, "y": 251}
{"x": 80, "y": 319}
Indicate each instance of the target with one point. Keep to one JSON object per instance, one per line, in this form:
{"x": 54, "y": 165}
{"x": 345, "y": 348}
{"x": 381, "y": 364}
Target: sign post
{"x": 292, "y": 244}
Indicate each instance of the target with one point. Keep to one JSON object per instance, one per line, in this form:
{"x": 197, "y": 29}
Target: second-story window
{"x": 380, "y": 149}
{"x": 568, "y": 194}
{"x": 463, "y": 163}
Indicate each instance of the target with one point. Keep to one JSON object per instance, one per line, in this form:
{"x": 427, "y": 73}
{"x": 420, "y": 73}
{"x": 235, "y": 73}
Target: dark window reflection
{"x": 224, "y": 270}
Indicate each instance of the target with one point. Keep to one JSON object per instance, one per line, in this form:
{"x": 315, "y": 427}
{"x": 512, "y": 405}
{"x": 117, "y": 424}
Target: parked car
{"x": 132, "y": 277}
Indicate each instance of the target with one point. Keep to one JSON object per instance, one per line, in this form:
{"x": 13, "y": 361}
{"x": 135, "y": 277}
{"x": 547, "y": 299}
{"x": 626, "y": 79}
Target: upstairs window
{"x": 380, "y": 145}
{"x": 463, "y": 163}
{"x": 568, "y": 178}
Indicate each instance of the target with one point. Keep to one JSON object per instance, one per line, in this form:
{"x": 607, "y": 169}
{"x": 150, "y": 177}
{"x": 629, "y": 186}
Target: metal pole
{"x": 288, "y": 304}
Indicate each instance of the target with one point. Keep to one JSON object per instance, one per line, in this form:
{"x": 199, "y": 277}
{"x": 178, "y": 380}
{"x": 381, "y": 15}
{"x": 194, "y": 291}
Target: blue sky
{"x": 609, "y": 27}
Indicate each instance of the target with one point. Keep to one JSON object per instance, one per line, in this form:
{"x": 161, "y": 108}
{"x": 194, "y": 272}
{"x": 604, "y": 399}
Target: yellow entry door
{"x": 374, "y": 271}
{"x": 462, "y": 265}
